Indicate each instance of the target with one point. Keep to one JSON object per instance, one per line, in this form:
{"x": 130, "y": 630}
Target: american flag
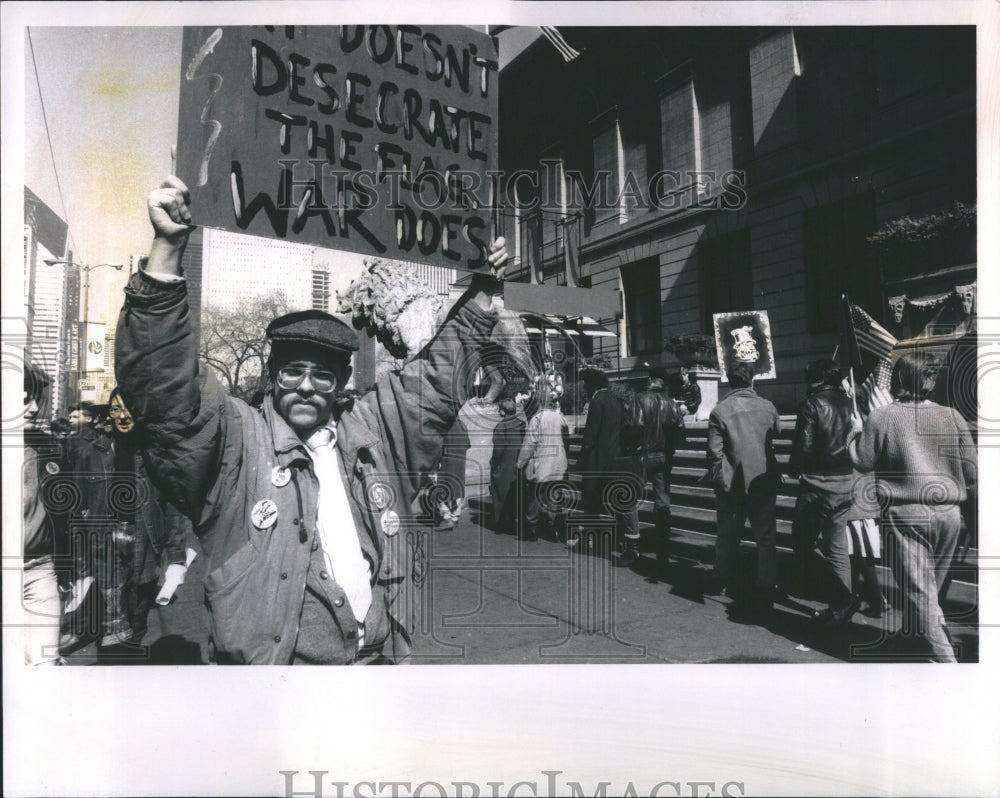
{"x": 871, "y": 335}
{"x": 560, "y": 43}
{"x": 879, "y": 377}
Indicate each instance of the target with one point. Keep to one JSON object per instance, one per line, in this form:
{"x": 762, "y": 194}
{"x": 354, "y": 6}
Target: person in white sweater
{"x": 924, "y": 463}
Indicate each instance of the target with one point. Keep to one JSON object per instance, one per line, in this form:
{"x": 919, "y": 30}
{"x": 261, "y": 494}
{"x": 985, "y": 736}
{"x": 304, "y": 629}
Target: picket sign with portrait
{"x": 378, "y": 139}
{"x": 744, "y": 337}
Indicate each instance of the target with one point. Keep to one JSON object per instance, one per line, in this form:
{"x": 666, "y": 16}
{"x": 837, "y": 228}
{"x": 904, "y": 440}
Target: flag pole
{"x": 854, "y": 392}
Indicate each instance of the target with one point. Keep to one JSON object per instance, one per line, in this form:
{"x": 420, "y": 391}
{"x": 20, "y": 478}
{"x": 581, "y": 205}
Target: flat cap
{"x": 313, "y": 327}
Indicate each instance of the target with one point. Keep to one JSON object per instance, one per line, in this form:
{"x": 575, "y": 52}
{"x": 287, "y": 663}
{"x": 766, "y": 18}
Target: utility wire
{"x": 48, "y": 136}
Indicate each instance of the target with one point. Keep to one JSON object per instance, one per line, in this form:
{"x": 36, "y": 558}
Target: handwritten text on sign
{"x": 375, "y": 139}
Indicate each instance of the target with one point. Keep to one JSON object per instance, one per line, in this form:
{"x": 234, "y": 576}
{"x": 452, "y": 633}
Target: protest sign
{"x": 375, "y": 139}
{"x": 745, "y": 336}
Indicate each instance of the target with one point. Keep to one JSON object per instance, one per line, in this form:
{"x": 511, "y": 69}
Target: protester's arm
{"x": 715, "y": 440}
{"x": 178, "y": 528}
{"x": 802, "y": 438}
{"x": 156, "y": 362}
{"x": 680, "y": 432}
{"x": 595, "y": 422}
{"x": 416, "y": 406}
{"x": 967, "y": 452}
{"x": 866, "y": 439}
{"x": 864, "y": 443}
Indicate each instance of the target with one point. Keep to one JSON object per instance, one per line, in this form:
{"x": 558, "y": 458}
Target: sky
{"x": 110, "y": 100}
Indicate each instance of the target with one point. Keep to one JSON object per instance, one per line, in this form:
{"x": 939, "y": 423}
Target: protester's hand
{"x": 856, "y": 421}
{"x": 879, "y": 397}
{"x": 168, "y": 210}
{"x": 498, "y": 258}
{"x": 486, "y": 285}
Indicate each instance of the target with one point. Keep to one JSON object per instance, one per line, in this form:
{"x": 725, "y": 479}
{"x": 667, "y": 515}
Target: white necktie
{"x": 335, "y": 524}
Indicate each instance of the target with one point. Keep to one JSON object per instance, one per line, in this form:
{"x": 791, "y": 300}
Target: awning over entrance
{"x": 537, "y": 324}
{"x": 561, "y": 300}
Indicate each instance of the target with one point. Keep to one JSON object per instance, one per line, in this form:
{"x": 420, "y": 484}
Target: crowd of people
{"x": 895, "y": 485}
{"x": 298, "y": 501}
{"x": 102, "y": 540}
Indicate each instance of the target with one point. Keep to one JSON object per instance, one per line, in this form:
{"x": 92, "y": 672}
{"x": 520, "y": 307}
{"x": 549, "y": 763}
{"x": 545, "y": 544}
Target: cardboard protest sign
{"x": 374, "y": 139}
{"x": 745, "y": 336}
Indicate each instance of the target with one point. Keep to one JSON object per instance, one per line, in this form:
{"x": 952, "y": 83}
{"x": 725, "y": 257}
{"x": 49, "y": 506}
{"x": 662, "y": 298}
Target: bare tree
{"x": 233, "y": 342}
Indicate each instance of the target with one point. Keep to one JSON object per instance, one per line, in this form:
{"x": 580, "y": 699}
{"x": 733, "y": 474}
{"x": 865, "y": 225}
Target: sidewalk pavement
{"x": 493, "y": 599}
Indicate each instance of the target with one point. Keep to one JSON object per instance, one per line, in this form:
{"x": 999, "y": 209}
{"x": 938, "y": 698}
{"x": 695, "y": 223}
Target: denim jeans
{"x": 820, "y": 515}
{"x": 42, "y": 610}
{"x": 920, "y": 542}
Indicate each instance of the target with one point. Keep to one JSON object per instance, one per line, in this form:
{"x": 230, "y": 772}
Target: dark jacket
{"x": 46, "y": 497}
{"x": 219, "y": 459}
{"x": 601, "y": 459}
{"x": 663, "y": 424}
{"x": 741, "y": 430}
{"x": 508, "y": 435}
{"x": 113, "y": 484}
{"x": 819, "y": 445}
{"x": 690, "y": 395}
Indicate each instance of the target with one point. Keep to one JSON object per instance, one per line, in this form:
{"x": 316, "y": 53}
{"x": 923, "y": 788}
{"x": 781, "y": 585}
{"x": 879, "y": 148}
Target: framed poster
{"x": 744, "y": 336}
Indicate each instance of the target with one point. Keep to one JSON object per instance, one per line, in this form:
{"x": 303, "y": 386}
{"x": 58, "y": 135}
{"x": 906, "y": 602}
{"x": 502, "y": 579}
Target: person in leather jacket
{"x": 663, "y": 432}
{"x": 821, "y": 462}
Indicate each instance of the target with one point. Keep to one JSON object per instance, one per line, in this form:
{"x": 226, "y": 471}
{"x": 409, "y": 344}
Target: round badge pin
{"x": 280, "y": 476}
{"x": 379, "y": 496}
{"x": 264, "y": 514}
{"x": 52, "y": 468}
{"x": 390, "y": 522}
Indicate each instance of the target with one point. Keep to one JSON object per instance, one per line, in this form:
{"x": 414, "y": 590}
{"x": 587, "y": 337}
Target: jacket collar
{"x": 287, "y": 445}
{"x": 351, "y": 438}
{"x": 742, "y": 392}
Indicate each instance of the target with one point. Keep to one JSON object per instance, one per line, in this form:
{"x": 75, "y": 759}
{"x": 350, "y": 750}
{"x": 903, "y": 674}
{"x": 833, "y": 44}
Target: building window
{"x": 726, "y": 276}
{"x": 609, "y": 166}
{"x": 641, "y": 286}
{"x": 837, "y": 89}
{"x": 680, "y": 137}
{"x": 837, "y": 260}
{"x": 320, "y": 290}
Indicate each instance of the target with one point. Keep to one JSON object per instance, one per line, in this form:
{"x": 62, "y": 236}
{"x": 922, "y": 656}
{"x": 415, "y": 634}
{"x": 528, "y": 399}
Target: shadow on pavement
{"x": 175, "y": 650}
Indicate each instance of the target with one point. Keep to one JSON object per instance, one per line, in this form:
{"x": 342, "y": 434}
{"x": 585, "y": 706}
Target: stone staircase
{"x": 693, "y": 514}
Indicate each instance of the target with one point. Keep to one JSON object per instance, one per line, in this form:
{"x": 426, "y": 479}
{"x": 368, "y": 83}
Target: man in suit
{"x": 745, "y": 475}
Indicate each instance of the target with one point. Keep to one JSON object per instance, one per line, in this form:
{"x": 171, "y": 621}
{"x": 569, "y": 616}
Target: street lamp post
{"x": 85, "y": 322}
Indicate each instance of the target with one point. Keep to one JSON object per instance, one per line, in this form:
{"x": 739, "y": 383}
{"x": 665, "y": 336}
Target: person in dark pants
{"x": 612, "y": 478}
{"x": 821, "y": 462}
{"x": 508, "y": 435}
{"x": 745, "y": 474}
{"x": 663, "y": 432}
{"x": 297, "y": 502}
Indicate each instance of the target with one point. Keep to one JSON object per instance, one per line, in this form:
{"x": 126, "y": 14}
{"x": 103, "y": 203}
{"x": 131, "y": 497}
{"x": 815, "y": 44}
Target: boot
{"x": 630, "y": 555}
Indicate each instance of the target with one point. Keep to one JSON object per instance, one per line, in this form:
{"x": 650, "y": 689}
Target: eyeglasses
{"x": 322, "y": 381}
{"x": 118, "y": 412}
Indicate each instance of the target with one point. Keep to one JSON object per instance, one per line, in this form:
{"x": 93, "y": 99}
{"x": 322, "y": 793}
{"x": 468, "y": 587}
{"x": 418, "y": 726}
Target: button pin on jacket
{"x": 390, "y": 522}
{"x": 52, "y": 468}
{"x": 280, "y": 476}
{"x": 264, "y": 514}
{"x": 380, "y": 496}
